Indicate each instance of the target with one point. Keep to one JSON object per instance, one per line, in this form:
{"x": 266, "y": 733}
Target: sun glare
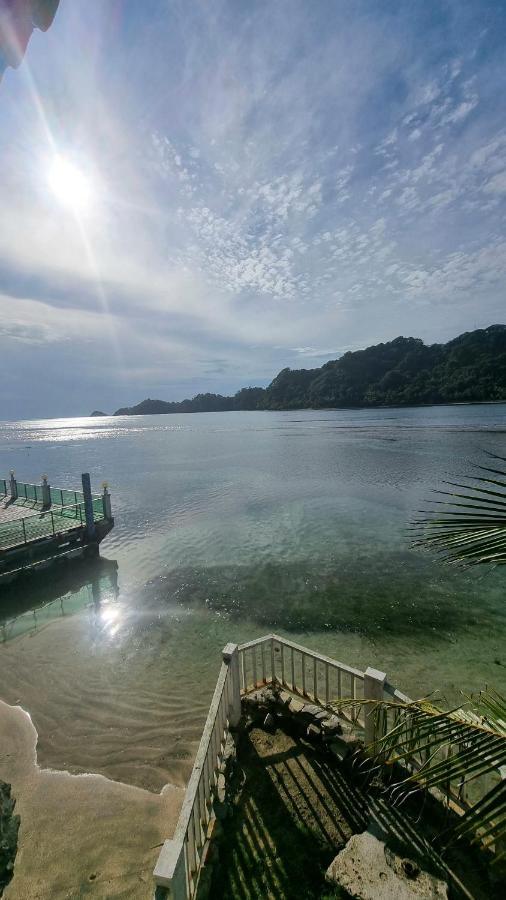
{"x": 70, "y": 185}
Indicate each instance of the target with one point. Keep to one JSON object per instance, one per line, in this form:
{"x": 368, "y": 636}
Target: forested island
{"x": 403, "y": 372}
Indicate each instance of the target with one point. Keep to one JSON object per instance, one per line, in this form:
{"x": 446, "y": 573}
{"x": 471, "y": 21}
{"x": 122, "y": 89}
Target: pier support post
{"x": 13, "y": 485}
{"x": 88, "y": 505}
{"x": 46, "y": 493}
{"x": 231, "y": 658}
{"x": 374, "y": 682}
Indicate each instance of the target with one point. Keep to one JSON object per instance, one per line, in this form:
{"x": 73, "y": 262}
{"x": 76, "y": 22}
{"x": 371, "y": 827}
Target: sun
{"x": 71, "y": 186}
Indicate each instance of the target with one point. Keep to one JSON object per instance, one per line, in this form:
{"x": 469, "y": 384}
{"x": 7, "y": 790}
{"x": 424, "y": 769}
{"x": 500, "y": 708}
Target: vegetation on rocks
{"x": 403, "y": 372}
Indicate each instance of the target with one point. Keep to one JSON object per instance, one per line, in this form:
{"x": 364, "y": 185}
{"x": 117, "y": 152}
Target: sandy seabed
{"x": 80, "y": 835}
{"x": 97, "y": 740}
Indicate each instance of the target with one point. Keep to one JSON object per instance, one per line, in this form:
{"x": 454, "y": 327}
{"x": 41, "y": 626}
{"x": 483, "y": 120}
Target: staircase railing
{"x": 181, "y": 858}
{"x": 310, "y": 675}
{"x": 268, "y": 660}
{"x": 304, "y": 672}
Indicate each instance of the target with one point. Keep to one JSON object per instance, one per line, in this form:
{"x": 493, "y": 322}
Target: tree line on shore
{"x": 402, "y": 372}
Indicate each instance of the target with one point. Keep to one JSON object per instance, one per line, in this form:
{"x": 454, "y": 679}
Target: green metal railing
{"x": 98, "y": 508}
{"x": 34, "y": 492}
{"x": 44, "y": 524}
{"x": 30, "y": 492}
{"x": 64, "y": 497}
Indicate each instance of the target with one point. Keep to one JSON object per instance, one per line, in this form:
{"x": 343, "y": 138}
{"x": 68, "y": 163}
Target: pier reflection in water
{"x": 37, "y": 599}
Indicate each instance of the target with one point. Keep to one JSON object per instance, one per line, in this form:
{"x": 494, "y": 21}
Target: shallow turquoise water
{"x": 231, "y": 525}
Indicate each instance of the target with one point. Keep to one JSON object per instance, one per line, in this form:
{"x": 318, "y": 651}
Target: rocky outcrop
{"x": 271, "y": 706}
{"x": 9, "y": 825}
{"x": 368, "y": 870}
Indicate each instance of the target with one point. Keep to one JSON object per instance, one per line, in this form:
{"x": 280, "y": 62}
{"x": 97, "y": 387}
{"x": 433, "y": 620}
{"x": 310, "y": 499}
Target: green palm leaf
{"x": 447, "y": 750}
{"x": 486, "y": 821}
{"x": 468, "y": 527}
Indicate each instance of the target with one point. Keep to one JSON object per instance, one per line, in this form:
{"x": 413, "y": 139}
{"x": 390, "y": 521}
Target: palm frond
{"x": 485, "y": 821}
{"x": 448, "y": 750}
{"x": 468, "y": 527}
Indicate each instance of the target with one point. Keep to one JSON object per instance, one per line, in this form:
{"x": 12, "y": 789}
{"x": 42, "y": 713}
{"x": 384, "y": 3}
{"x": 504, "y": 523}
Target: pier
{"x": 40, "y": 523}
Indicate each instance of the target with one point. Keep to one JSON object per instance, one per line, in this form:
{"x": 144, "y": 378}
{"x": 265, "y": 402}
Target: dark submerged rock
{"x": 9, "y": 826}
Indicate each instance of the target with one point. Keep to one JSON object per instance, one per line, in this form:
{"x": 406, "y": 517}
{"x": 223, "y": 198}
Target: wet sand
{"x": 106, "y": 697}
{"x": 80, "y": 835}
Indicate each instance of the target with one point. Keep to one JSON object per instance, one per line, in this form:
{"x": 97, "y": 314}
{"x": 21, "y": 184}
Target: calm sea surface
{"x": 229, "y": 525}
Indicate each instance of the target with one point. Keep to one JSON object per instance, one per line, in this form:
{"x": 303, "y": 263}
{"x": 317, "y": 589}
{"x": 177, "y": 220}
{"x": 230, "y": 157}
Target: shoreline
{"x": 299, "y": 409}
{"x": 58, "y": 853}
{"x": 290, "y": 409}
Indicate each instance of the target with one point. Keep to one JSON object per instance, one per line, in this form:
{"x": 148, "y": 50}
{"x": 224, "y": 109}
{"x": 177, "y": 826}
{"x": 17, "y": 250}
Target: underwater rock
{"x": 9, "y": 826}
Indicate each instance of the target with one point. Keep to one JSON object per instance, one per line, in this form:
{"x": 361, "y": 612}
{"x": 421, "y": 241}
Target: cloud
{"x": 497, "y": 184}
{"x": 257, "y": 201}
{"x": 32, "y": 322}
{"x": 458, "y": 275}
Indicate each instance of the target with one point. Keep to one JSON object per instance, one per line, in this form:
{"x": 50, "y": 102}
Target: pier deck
{"x": 25, "y": 520}
{"x": 38, "y": 523}
{"x": 10, "y": 510}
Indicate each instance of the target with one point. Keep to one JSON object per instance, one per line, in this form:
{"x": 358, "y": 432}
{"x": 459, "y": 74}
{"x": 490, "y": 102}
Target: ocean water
{"x": 230, "y": 525}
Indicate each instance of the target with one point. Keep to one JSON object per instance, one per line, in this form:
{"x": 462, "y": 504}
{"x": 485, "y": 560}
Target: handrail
{"x": 45, "y": 512}
{"x": 78, "y": 496}
{"x": 42, "y": 513}
{"x": 313, "y": 653}
{"x": 395, "y": 693}
{"x": 35, "y": 492}
{"x": 25, "y": 490}
{"x": 457, "y": 794}
{"x": 29, "y": 528}
{"x": 181, "y": 858}
{"x": 307, "y": 673}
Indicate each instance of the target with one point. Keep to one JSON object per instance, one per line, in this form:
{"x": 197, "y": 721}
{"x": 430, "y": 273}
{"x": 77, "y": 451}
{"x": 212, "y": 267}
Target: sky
{"x": 259, "y": 184}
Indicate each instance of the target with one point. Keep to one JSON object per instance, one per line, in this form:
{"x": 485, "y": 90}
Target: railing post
{"x": 46, "y": 493}
{"x": 13, "y": 486}
{"x": 374, "y": 681}
{"x": 231, "y": 658}
{"x": 88, "y": 505}
{"x": 170, "y": 870}
{"x": 106, "y": 502}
